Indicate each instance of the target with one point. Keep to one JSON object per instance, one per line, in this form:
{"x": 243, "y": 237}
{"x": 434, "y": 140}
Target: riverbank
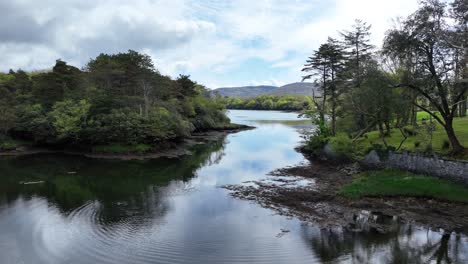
{"x": 319, "y": 201}
{"x": 168, "y": 149}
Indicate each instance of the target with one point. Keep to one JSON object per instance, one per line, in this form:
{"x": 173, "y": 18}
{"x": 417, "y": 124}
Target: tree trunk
{"x": 462, "y": 108}
{"x": 333, "y": 116}
{"x": 457, "y": 147}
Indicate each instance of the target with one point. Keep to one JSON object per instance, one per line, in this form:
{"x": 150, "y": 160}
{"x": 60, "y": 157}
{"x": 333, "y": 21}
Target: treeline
{"x": 268, "y": 102}
{"x": 422, "y": 66}
{"x": 120, "y": 98}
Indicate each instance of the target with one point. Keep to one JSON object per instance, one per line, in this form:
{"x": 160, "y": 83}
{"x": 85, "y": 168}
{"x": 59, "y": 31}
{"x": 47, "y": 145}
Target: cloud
{"x": 214, "y": 41}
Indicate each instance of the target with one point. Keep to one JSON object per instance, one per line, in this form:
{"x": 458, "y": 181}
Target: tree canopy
{"x": 116, "y": 98}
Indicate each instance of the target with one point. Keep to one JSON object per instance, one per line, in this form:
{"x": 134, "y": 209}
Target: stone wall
{"x": 434, "y": 166}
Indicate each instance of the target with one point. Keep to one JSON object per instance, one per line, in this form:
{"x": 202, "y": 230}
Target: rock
{"x": 372, "y": 159}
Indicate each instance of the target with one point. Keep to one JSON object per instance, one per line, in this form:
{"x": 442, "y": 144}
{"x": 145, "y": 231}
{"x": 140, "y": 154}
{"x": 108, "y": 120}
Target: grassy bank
{"x": 399, "y": 183}
{"x": 421, "y": 139}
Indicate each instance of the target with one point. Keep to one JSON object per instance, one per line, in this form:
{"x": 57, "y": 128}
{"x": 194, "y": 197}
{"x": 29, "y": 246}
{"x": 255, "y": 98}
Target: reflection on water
{"x": 397, "y": 243}
{"x": 173, "y": 211}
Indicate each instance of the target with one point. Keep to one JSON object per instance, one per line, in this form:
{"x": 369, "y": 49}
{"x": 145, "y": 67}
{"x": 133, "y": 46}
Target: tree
{"x": 69, "y": 117}
{"x": 459, "y": 40}
{"x": 186, "y": 86}
{"x": 327, "y": 62}
{"x": 7, "y": 111}
{"x": 64, "y": 81}
{"x": 358, "y": 50}
{"x": 429, "y": 62}
{"x": 376, "y": 100}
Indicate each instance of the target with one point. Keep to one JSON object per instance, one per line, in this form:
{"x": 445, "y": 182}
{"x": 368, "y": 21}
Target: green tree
{"x": 327, "y": 63}
{"x": 7, "y": 111}
{"x": 421, "y": 43}
{"x": 69, "y": 118}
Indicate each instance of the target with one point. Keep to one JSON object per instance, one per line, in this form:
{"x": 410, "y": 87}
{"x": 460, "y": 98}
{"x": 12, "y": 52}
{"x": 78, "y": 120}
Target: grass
{"x": 122, "y": 149}
{"x": 399, "y": 183}
{"x": 419, "y": 142}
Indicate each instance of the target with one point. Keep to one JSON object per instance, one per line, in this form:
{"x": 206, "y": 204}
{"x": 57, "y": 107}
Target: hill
{"x": 299, "y": 88}
{"x": 245, "y": 91}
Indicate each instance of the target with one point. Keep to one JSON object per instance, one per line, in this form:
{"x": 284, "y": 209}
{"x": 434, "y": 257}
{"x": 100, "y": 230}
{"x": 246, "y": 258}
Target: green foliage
{"x": 7, "y": 112}
{"x": 268, "y": 102}
{"x": 418, "y": 142}
{"x": 318, "y": 139}
{"x": 399, "y": 183}
{"x": 34, "y": 124}
{"x": 342, "y": 145}
{"x": 118, "y": 99}
{"x": 69, "y": 117}
{"x": 8, "y": 146}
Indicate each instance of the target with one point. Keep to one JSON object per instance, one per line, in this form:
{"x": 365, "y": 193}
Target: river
{"x": 80, "y": 210}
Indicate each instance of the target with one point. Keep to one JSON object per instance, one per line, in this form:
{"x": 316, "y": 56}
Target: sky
{"x": 219, "y": 43}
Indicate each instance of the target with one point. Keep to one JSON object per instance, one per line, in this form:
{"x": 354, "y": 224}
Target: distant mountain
{"x": 245, "y": 91}
{"x": 299, "y": 88}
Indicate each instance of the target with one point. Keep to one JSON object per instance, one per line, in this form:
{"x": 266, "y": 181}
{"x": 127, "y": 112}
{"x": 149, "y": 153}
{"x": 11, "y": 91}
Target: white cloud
{"x": 208, "y": 39}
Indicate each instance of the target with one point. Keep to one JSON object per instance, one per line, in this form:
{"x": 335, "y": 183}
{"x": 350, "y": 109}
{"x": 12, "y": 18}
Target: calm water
{"x": 174, "y": 211}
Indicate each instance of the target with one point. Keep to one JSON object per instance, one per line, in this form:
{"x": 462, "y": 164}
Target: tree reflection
{"x": 383, "y": 239}
{"x": 121, "y": 187}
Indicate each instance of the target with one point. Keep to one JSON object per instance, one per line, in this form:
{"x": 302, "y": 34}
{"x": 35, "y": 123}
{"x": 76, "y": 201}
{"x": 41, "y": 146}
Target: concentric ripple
{"x": 140, "y": 239}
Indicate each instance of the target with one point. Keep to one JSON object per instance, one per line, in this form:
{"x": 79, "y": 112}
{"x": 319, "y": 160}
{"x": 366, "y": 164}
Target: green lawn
{"x": 420, "y": 141}
{"x": 399, "y": 183}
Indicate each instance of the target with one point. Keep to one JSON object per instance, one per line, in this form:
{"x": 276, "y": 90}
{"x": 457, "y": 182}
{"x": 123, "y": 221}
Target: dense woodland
{"x": 268, "y": 102}
{"x": 422, "y": 66}
{"x": 119, "y": 98}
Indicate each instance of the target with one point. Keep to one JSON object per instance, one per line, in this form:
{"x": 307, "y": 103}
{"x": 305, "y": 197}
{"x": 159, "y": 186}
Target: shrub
{"x": 8, "y": 146}
{"x": 343, "y": 146}
{"x": 417, "y": 144}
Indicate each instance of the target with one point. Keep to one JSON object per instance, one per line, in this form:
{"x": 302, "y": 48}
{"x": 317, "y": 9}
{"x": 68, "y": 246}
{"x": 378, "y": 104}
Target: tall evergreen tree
{"x": 327, "y": 63}
{"x": 358, "y": 50}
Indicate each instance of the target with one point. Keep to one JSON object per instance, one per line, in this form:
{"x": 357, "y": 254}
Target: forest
{"x": 268, "y": 102}
{"x": 415, "y": 86}
{"x": 115, "y": 99}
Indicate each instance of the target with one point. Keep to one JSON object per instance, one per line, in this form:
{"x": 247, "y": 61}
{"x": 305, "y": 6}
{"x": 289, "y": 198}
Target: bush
{"x": 417, "y": 144}
{"x": 8, "y": 146}
{"x": 121, "y": 125}
{"x": 343, "y": 146}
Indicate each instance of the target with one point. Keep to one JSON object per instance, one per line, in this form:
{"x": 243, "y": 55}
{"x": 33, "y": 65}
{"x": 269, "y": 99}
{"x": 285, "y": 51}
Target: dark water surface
{"x": 173, "y": 211}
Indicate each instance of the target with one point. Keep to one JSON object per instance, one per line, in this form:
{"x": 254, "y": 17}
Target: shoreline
{"x": 170, "y": 150}
{"x": 319, "y": 203}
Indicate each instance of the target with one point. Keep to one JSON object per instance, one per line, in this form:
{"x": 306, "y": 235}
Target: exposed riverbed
{"x": 80, "y": 210}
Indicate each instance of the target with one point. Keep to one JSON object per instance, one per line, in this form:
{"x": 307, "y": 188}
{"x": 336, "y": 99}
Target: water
{"x": 174, "y": 211}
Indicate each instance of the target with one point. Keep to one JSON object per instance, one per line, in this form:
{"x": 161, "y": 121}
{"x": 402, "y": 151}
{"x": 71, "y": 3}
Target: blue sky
{"x": 219, "y": 43}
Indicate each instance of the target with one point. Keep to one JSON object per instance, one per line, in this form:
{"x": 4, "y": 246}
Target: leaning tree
{"x": 424, "y": 43}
